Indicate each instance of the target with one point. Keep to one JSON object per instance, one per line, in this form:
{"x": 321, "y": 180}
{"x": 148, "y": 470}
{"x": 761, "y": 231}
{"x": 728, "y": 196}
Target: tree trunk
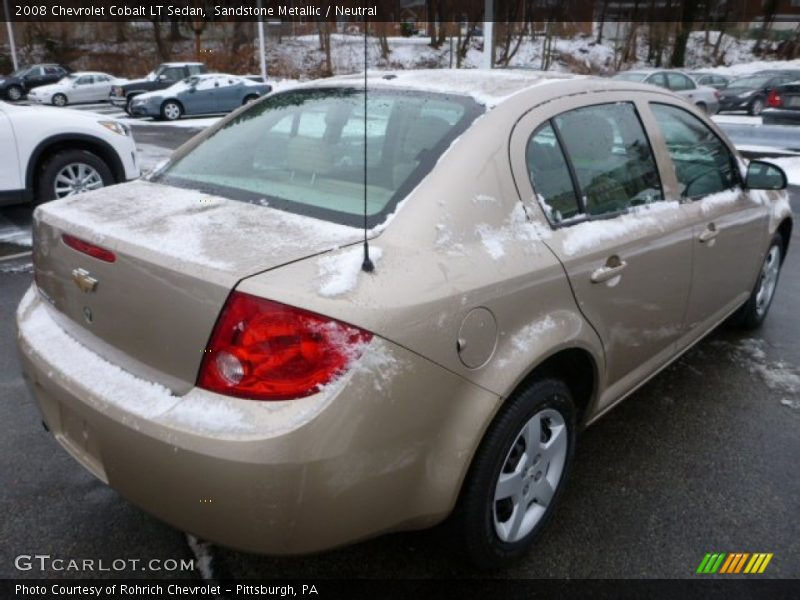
{"x": 175, "y": 30}
{"x": 383, "y": 40}
{"x": 325, "y": 44}
{"x": 163, "y": 49}
{"x": 770, "y": 8}
{"x": 120, "y": 31}
{"x": 603, "y": 9}
{"x": 684, "y": 28}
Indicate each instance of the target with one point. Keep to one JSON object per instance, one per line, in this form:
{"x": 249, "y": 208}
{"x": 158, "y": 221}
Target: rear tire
{"x": 88, "y": 172}
{"x": 753, "y": 312}
{"x": 702, "y": 106}
{"x": 756, "y": 107}
{"x": 249, "y": 99}
{"x": 517, "y": 475}
{"x": 60, "y": 100}
{"x": 14, "y": 93}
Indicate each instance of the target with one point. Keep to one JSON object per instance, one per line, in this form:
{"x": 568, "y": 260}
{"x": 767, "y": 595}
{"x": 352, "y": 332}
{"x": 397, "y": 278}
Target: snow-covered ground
{"x": 150, "y": 156}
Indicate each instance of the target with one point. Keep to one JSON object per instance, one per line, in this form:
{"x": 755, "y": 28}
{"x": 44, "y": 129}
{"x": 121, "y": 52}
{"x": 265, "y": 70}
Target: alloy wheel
{"x": 76, "y": 178}
{"x": 530, "y": 475}
{"x": 172, "y": 111}
{"x": 768, "y": 280}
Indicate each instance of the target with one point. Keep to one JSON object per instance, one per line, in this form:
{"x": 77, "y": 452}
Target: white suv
{"x": 51, "y": 153}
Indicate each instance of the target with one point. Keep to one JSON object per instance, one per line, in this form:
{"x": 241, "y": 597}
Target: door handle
{"x": 709, "y": 234}
{"x": 611, "y": 270}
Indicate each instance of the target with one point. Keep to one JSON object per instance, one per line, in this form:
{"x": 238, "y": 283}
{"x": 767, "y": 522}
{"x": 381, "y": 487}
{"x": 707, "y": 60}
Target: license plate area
{"x": 77, "y": 437}
{"x": 793, "y": 101}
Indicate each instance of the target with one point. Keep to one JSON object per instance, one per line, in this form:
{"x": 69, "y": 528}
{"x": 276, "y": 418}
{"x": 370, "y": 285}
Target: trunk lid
{"x": 179, "y": 253}
{"x": 790, "y": 96}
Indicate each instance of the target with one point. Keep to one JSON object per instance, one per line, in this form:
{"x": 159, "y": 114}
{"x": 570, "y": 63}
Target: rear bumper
{"x": 384, "y": 448}
{"x": 781, "y": 116}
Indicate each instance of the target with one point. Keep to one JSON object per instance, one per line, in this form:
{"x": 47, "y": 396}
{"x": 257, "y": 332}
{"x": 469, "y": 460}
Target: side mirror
{"x": 192, "y": 89}
{"x": 161, "y": 78}
{"x": 762, "y": 175}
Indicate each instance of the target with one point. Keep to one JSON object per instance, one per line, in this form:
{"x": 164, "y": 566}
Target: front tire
{"x": 14, "y": 93}
{"x": 753, "y": 312}
{"x": 71, "y": 172}
{"x": 59, "y": 100}
{"x": 171, "y": 110}
{"x": 517, "y": 475}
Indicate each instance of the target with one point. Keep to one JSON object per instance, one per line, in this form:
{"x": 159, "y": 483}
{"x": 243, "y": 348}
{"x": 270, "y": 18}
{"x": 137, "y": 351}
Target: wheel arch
{"x": 73, "y": 141}
{"x": 576, "y": 367}
{"x": 785, "y": 231}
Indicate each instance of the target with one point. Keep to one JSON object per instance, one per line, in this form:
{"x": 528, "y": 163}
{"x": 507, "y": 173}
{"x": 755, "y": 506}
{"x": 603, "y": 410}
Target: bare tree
{"x": 163, "y": 47}
{"x": 770, "y": 8}
{"x": 683, "y": 29}
{"x": 324, "y": 30}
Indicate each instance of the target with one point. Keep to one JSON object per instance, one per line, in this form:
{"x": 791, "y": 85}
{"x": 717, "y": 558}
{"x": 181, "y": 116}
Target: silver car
{"x": 85, "y": 86}
{"x": 704, "y": 97}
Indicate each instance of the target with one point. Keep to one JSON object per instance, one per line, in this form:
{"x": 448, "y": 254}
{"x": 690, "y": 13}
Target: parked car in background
{"x": 750, "y": 93}
{"x": 165, "y": 75}
{"x": 198, "y": 95}
{"x": 52, "y": 153}
{"x": 16, "y": 85}
{"x": 783, "y": 105}
{"x": 317, "y": 402}
{"x": 704, "y": 97}
{"x": 81, "y": 86}
{"x": 714, "y": 80}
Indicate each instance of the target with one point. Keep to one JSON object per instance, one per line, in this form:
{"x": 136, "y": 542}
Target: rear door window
{"x": 550, "y": 175}
{"x": 658, "y": 79}
{"x": 703, "y": 163}
{"x": 600, "y": 174}
{"x": 678, "y": 82}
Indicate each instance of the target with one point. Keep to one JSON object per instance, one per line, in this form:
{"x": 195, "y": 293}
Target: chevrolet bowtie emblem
{"x": 85, "y": 282}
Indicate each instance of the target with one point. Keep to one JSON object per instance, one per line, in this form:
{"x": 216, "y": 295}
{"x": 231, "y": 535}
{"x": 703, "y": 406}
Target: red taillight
{"x": 774, "y": 99}
{"x": 717, "y": 95}
{"x": 263, "y": 350}
{"x": 87, "y": 248}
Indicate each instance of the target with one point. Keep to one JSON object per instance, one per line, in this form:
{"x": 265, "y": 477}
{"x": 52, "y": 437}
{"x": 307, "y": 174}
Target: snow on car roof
{"x": 488, "y": 87}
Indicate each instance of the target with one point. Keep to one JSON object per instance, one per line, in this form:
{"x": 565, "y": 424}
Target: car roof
{"x": 180, "y": 63}
{"x": 488, "y": 87}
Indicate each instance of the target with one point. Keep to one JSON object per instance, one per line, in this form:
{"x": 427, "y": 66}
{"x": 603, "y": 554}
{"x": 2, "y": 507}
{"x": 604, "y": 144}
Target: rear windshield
{"x": 752, "y": 82}
{"x": 303, "y": 151}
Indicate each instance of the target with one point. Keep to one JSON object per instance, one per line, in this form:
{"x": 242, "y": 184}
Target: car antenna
{"x": 367, "y": 266}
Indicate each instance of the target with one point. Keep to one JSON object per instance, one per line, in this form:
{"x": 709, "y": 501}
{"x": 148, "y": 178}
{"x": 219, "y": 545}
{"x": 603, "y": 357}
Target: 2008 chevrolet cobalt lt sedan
{"x": 211, "y": 345}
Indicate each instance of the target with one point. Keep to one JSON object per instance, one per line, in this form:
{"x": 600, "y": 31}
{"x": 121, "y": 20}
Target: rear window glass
{"x": 303, "y": 151}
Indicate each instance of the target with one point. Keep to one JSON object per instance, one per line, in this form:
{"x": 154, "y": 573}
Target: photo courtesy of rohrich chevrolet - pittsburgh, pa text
{"x": 355, "y": 299}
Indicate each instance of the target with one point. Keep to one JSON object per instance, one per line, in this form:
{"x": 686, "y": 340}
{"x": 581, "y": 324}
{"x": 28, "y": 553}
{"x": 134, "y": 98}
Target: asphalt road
{"x": 702, "y": 459}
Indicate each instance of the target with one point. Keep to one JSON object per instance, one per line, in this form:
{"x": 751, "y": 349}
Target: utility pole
{"x": 11, "y": 36}
{"x": 261, "y": 49}
{"x": 488, "y": 39}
